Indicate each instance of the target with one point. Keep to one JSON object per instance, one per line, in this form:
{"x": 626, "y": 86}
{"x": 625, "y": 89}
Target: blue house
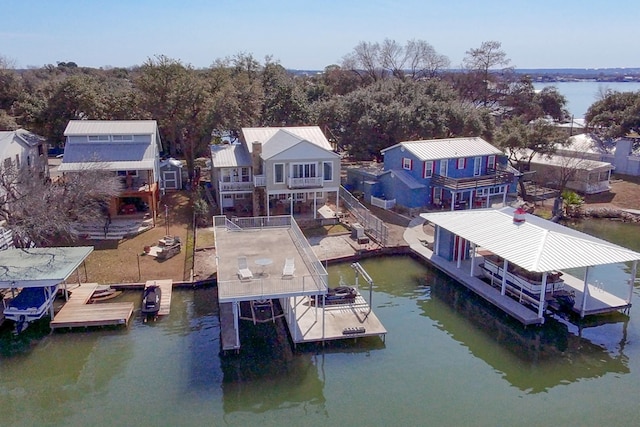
{"x": 452, "y": 173}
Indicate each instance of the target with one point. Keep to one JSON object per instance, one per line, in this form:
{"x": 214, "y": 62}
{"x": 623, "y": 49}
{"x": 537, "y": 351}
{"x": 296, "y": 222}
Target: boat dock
{"x": 78, "y": 313}
{"x": 334, "y": 322}
{"x": 166, "y": 286}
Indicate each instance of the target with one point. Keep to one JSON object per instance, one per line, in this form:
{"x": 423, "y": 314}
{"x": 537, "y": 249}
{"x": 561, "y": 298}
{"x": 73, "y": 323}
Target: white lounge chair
{"x": 243, "y": 269}
{"x": 289, "y": 268}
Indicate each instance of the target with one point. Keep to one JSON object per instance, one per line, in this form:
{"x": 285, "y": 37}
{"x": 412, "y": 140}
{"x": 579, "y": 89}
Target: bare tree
{"x": 422, "y": 59}
{"x": 42, "y": 212}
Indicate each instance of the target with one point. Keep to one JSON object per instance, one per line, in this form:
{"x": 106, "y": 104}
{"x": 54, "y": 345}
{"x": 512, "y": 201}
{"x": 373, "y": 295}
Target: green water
{"x": 448, "y": 360}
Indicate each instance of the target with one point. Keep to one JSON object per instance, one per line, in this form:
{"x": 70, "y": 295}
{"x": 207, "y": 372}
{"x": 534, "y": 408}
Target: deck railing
{"x": 308, "y": 182}
{"x": 269, "y": 287}
{"x": 235, "y": 186}
{"x": 495, "y": 177}
{"x": 260, "y": 180}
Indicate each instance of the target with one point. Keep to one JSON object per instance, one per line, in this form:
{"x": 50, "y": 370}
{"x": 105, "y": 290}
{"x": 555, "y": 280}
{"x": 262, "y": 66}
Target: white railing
{"x": 382, "y": 203}
{"x": 305, "y": 182}
{"x": 236, "y": 186}
{"x": 270, "y": 287}
{"x": 260, "y": 180}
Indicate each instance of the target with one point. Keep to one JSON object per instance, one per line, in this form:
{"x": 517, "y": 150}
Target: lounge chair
{"x": 289, "y": 268}
{"x": 243, "y": 269}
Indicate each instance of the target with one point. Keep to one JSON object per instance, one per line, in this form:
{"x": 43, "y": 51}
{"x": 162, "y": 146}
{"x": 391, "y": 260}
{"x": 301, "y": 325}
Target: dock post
{"x": 543, "y": 293}
{"x": 632, "y": 279}
{"x": 585, "y": 292}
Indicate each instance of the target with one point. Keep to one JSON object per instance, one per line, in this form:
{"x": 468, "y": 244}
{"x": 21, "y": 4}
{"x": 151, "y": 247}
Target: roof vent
{"x": 519, "y": 216}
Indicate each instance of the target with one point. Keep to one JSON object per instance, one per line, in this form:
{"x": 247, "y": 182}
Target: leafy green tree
{"x": 7, "y": 122}
{"x": 615, "y": 115}
{"x": 285, "y": 102}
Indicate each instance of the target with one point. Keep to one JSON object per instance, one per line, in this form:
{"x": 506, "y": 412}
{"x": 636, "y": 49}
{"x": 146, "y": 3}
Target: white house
{"x": 128, "y": 148}
{"x": 21, "y": 148}
{"x": 275, "y": 171}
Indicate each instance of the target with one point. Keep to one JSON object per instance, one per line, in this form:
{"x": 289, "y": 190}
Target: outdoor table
{"x": 263, "y": 262}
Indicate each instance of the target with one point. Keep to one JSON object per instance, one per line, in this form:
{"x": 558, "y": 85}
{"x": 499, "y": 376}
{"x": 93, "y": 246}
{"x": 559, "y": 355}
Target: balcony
{"x": 310, "y": 182}
{"x": 495, "y": 177}
{"x": 235, "y": 186}
{"x": 260, "y": 180}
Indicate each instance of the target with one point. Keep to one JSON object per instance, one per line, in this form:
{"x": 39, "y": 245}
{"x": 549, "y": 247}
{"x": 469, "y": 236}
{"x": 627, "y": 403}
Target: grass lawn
{"x": 114, "y": 262}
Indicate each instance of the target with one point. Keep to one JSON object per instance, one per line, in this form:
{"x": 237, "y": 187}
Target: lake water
{"x": 448, "y": 360}
{"x": 581, "y": 95}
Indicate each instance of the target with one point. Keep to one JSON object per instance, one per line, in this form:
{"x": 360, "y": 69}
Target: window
{"x": 428, "y": 169}
{"x": 406, "y": 163}
{"x": 491, "y": 162}
{"x": 303, "y": 170}
{"x": 462, "y": 163}
{"x": 125, "y": 173}
{"x": 319, "y": 194}
{"x": 443, "y": 167}
{"x": 240, "y": 196}
{"x": 476, "y": 166}
{"x": 98, "y": 138}
{"x": 278, "y": 173}
{"x": 122, "y": 137}
{"x": 299, "y": 196}
{"x": 327, "y": 171}
{"x": 244, "y": 175}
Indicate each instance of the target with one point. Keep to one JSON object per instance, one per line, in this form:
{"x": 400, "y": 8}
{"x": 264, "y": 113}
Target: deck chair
{"x": 243, "y": 269}
{"x": 289, "y": 268}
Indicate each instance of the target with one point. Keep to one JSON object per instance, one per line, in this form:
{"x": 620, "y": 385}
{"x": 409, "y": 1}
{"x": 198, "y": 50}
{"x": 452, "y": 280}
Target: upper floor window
{"x": 476, "y": 166}
{"x": 428, "y": 169}
{"x": 406, "y": 163}
{"x": 444, "y": 167}
{"x": 97, "y": 138}
{"x": 491, "y": 162}
{"x": 327, "y": 171}
{"x": 278, "y": 173}
{"x": 462, "y": 163}
{"x": 303, "y": 170}
{"x": 122, "y": 137}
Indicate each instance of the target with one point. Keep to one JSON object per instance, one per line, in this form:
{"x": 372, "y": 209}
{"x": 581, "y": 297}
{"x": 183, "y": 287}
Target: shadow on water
{"x": 557, "y": 352}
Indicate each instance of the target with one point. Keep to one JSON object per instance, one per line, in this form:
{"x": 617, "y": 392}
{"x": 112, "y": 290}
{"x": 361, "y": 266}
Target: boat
{"x": 338, "y": 295}
{"x": 522, "y": 284}
{"x": 103, "y": 293}
{"x": 29, "y": 305}
{"x": 151, "y": 300}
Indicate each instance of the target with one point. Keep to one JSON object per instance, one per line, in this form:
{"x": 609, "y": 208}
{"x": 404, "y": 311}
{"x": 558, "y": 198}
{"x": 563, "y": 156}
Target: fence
{"x": 382, "y": 203}
{"x": 373, "y": 226}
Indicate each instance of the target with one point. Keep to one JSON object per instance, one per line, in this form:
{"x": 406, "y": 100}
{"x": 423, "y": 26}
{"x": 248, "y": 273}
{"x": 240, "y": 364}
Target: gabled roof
{"x": 406, "y": 178}
{"x": 21, "y": 136}
{"x": 230, "y": 156}
{"x": 449, "y": 148}
{"x": 125, "y": 155}
{"x": 264, "y": 135}
{"x": 536, "y": 245}
{"x": 111, "y": 127}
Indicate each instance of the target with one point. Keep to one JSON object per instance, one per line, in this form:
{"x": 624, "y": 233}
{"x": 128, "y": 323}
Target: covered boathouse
{"x": 530, "y": 243}
{"x": 266, "y": 264}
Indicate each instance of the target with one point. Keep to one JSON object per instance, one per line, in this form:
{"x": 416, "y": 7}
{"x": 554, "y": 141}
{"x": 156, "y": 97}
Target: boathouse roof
{"x": 39, "y": 267}
{"x": 535, "y": 244}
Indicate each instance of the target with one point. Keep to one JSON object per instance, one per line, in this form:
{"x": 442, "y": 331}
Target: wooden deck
{"x": 599, "y": 301}
{"x": 166, "y": 287}
{"x": 77, "y": 313}
{"x": 341, "y": 321}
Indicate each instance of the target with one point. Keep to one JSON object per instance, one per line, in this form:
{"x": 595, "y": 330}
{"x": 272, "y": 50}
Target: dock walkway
{"x": 77, "y": 312}
{"x": 166, "y": 287}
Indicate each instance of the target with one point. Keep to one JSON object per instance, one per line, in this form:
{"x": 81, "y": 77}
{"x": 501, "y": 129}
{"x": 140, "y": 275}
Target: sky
{"x": 311, "y": 35}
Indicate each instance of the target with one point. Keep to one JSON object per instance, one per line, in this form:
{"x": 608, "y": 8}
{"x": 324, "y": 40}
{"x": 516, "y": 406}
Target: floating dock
{"x": 166, "y": 287}
{"x": 78, "y": 313}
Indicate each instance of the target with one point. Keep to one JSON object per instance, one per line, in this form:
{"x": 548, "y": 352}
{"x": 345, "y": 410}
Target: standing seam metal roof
{"x": 111, "y": 127}
{"x": 449, "y": 148}
{"x": 536, "y": 245}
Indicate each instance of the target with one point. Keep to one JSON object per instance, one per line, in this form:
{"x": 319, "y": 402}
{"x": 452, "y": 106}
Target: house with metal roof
{"x": 275, "y": 171}
{"x": 464, "y": 240}
{"x": 454, "y": 173}
{"x": 21, "y": 148}
{"x": 128, "y": 148}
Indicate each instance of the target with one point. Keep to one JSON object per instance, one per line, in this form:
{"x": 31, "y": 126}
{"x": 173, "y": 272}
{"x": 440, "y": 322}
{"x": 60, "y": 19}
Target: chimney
{"x": 256, "y": 161}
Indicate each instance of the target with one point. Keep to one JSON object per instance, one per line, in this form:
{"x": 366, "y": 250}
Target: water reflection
{"x": 555, "y": 353}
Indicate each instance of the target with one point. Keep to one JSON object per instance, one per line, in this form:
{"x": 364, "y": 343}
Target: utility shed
{"x": 171, "y": 174}
{"x": 534, "y": 244}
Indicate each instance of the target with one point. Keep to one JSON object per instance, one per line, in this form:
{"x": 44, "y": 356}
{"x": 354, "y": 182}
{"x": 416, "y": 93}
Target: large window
{"x": 327, "y": 171}
{"x": 278, "y": 173}
{"x": 476, "y": 166}
{"x": 443, "y": 167}
{"x": 491, "y": 162}
{"x": 428, "y": 169}
{"x": 303, "y": 170}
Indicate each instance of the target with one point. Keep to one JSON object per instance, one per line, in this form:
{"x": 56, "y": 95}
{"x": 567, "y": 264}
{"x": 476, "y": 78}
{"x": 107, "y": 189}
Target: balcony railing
{"x": 260, "y": 180}
{"x": 494, "y": 177}
{"x": 236, "y": 186}
{"x": 309, "y": 182}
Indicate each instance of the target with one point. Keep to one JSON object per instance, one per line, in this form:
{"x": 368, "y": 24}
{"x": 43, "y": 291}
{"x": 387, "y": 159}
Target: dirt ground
{"x": 625, "y": 194}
